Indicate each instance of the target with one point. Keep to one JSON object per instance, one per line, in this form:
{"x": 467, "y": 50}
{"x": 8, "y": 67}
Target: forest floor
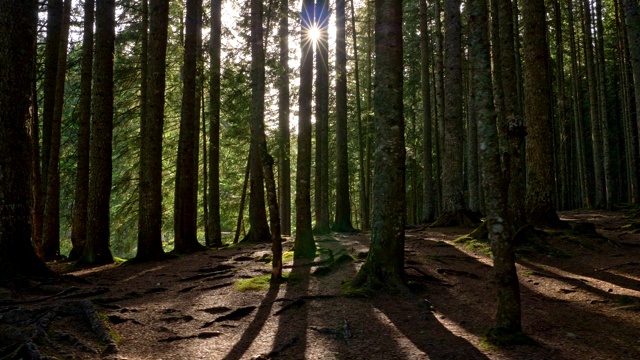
{"x": 580, "y": 300}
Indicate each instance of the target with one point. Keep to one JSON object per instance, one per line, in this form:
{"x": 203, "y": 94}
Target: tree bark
{"x": 284, "y": 142}
{"x": 215, "y": 231}
{"x": 96, "y": 250}
{"x": 428, "y": 201}
{"x": 51, "y": 234}
{"x": 632, "y": 19}
{"x": 539, "y": 201}
{"x": 343, "y": 203}
{"x": 322, "y": 119}
{"x": 500, "y": 229}
{"x": 185, "y": 218}
{"x": 304, "y": 246}
{"x": 259, "y": 231}
{"x": 79, "y": 222}
{"x": 454, "y": 208}
{"x": 151, "y": 130}
{"x": 18, "y": 20}
{"x": 384, "y": 266}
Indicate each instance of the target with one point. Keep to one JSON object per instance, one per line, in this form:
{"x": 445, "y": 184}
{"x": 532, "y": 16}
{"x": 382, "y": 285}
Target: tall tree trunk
{"x": 564, "y": 150}
{"x": 343, "y": 203}
{"x": 384, "y": 266}
{"x": 284, "y": 142}
{"x": 632, "y": 19}
{"x": 322, "y": 118}
{"x": 539, "y": 201}
{"x": 428, "y": 201}
{"x": 472, "y": 169}
{"x": 363, "y": 190}
{"x": 185, "y": 218}
{"x": 79, "y": 222}
{"x": 18, "y": 20}
{"x": 304, "y": 246}
{"x": 454, "y": 210}
{"x": 96, "y": 250}
{"x": 594, "y": 114}
{"x": 215, "y": 231}
{"x": 151, "y": 130}
{"x": 37, "y": 211}
{"x": 500, "y": 229}
{"x": 368, "y": 118}
{"x": 259, "y": 230}
{"x": 605, "y": 123}
{"x": 439, "y": 84}
{"x": 511, "y": 126}
{"x": 52, "y": 51}
{"x": 630, "y": 125}
{"x": 576, "y": 88}
{"x": 51, "y": 234}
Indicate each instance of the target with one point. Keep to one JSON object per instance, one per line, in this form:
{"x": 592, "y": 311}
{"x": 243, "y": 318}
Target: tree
{"x": 284, "y": 155}
{"x": 322, "y": 118}
{"x": 454, "y": 208}
{"x": 79, "y": 225}
{"x": 540, "y": 210}
{"x": 500, "y": 228}
{"x": 428, "y": 202}
{"x": 511, "y": 129}
{"x": 96, "y": 250}
{"x": 632, "y": 19}
{"x": 385, "y": 263}
{"x": 150, "y": 184}
{"x": 259, "y": 230}
{"x": 51, "y": 234}
{"x": 304, "y": 246}
{"x": 18, "y": 19}
{"x": 185, "y": 211}
{"x": 215, "y": 232}
{"x": 343, "y": 203}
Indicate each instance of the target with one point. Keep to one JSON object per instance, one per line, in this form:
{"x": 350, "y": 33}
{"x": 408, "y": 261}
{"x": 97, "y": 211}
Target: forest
{"x": 235, "y": 179}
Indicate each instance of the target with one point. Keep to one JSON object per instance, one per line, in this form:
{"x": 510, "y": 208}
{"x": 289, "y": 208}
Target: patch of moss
{"x": 503, "y": 338}
{"x": 287, "y": 256}
{"x": 471, "y": 244}
{"x": 263, "y": 282}
{"x": 349, "y": 291}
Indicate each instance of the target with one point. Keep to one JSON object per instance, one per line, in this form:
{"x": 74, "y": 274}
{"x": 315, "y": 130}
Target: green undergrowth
{"x": 472, "y": 244}
{"x": 263, "y": 282}
{"x": 348, "y": 290}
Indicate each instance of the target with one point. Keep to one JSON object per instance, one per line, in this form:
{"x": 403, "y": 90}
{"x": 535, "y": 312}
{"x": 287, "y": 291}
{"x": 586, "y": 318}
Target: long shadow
{"x": 561, "y": 328}
{"x": 291, "y": 336}
{"x": 253, "y": 330}
{"x": 425, "y": 331}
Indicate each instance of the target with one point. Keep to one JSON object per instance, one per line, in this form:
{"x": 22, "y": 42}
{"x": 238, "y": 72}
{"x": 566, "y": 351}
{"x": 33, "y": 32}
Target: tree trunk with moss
{"x": 384, "y": 267}
{"x": 540, "y": 210}
{"x": 18, "y": 20}
{"x": 304, "y": 246}
{"x": 498, "y": 222}
{"x": 215, "y": 232}
{"x": 454, "y": 208}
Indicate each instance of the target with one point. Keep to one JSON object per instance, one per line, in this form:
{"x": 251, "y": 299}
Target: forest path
{"x": 580, "y": 300}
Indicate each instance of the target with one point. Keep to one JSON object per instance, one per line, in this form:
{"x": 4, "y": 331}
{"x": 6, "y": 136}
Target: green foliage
{"x": 263, "y": 282}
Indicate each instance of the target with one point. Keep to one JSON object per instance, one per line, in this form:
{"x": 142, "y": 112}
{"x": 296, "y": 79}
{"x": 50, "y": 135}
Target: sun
{"x": 314, "y": 33}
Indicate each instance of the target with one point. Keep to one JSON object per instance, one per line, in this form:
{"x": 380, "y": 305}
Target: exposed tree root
{"x": 462, "y": 218}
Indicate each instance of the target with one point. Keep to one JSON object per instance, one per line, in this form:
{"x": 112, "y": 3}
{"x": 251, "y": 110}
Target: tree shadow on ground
{"x": 253, "y": 330}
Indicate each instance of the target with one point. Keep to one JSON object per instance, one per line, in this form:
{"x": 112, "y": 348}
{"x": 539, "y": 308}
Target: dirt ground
{"x": 580, "y": 300}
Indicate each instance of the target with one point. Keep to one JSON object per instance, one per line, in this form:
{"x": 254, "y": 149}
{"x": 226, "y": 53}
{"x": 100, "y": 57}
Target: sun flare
{"x": 314, "y": 34}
